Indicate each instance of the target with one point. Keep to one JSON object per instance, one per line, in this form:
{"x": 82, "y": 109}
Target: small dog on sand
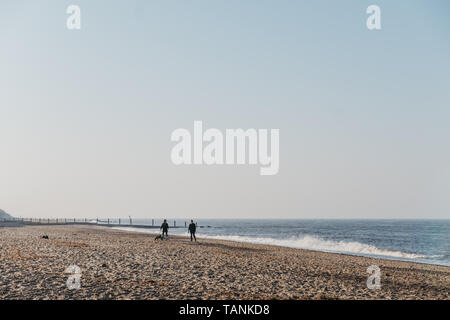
{"x": 160, "y": 237}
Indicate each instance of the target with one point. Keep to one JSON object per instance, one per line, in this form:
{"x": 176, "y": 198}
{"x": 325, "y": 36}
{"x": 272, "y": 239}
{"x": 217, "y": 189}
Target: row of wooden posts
{"x": 81, "y": 221}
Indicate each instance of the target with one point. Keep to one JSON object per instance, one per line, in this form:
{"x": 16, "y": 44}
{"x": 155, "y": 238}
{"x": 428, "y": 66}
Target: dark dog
{"x": 161, "y": 237}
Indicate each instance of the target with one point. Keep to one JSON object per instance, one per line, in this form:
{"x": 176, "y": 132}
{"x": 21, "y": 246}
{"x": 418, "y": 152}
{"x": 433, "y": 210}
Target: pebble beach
{"x": 123, "y": 265}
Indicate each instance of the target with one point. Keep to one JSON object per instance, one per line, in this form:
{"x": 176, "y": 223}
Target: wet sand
{"x": 118, "y": 264}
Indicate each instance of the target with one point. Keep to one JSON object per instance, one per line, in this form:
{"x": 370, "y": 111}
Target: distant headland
{"x": 4, "y": 215}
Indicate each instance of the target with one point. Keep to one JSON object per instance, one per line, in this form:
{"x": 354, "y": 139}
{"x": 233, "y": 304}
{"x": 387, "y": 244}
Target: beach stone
{"x": 134, "y": 266}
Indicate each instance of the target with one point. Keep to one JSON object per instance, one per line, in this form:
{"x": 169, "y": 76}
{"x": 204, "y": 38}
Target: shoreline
{"x": 365, "y": 255}
{"x": 119, "y": 264}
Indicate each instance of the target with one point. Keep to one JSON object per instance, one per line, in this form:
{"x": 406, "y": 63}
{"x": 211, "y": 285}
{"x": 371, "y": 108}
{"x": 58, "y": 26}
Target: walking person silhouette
{"x": 165, "y": 228}
{"x": 192, "y": 228}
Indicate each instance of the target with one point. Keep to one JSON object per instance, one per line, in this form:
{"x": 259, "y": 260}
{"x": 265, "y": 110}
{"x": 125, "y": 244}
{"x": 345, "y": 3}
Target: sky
{"x": 86, "y": 115}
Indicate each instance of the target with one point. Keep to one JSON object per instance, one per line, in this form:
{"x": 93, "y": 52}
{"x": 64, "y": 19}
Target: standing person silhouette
{"x": 191, "y": 229}
{"x": 165, "y": 228}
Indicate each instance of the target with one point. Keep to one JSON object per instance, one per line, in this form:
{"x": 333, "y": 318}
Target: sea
{"x": 424, "y": 241}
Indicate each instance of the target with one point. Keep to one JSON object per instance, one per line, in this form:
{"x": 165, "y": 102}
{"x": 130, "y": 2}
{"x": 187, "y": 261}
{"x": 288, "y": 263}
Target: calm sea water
{"x": 426, "y": 241}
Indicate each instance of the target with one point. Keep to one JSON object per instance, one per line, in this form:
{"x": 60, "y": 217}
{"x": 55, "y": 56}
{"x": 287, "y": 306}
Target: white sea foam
{"x": 316, "y": 243}
{"x": 307, "y": 242}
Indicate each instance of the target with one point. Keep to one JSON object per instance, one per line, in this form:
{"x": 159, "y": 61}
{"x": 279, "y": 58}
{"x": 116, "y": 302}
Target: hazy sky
{"x": 86, "y": 116}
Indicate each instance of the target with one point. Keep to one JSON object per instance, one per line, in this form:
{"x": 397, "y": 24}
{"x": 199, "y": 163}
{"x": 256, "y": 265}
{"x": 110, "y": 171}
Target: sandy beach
{"x": 118, "y": 264}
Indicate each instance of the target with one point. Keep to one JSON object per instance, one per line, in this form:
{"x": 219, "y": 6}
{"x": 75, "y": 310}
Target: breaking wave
{"x": 307, "y": 242}
{"x": 318, "y": 244}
